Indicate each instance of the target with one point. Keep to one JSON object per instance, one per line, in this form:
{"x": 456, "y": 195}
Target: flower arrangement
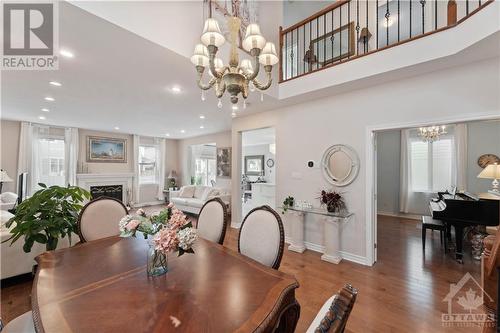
{"x": 333, "y": 200}
{"x": 170, "y": 229}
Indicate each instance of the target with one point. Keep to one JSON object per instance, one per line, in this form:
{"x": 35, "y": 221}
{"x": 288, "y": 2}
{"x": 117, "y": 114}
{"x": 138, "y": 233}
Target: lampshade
{"x": 218, "y": 64}
{"x": 253, "y": 38}
{"x": 246, "y": 66}
{"x": 491, "y": 171}
{"x": 172, "y": 174}
{"x": 269, "y": 55}
{"x": 211, "y": 33}
{"x": 200, "y": 56}
{"x": 4, "y": 177}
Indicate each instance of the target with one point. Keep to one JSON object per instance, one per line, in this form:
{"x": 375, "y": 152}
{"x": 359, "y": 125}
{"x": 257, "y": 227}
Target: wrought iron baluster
{"x": 422, "y": 2}
{"x": 324, "y": 38}
{"x": 387, "y": 18}
{"x": 376, "y": 23}
{"x": 331, "y": 37}
{"x": 304, "y": 48}
{"x": 410, "y": 17}
{"x": 310, "y": 49}
{"x": 291, "y": 54}
{"x": 286, "y": 55}
{"x": 348, "y": 30}
{"x": 366, "y": 38}
{"x": 467, "y": 7}
{"x": 398, "y": 22}
{"x": 436, "y": 14}
{"x": 317, "y": 44}
{"x": 357, "y": 28}
{"x": 298, "y": 52}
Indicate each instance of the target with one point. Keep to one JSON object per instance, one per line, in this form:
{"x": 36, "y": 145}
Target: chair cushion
{"x": 22, "y": 324}
{"x": 211, "y": 221}
{"x": 100, "y": 219}
{"x": 260, "y": 237}
{"x": 187, "y": 192}
{"x": 199, "y": 191}
{"x": 210, "y": 193}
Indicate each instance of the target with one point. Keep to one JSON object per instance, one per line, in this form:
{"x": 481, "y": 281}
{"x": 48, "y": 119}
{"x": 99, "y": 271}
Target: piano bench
{"x": 429, "y": 223}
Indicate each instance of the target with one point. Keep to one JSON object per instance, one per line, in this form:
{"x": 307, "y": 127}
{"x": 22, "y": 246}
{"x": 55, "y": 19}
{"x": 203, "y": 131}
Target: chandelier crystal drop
{"x": 237, "y": 77}
{"x": 431, "y": 133}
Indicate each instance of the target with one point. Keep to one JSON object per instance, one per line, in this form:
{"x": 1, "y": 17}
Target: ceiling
{"x": 117, "y": 79}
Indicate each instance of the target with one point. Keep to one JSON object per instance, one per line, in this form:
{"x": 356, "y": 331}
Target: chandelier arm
{"x": 211, "y": 66}
{"x": 261, "y": 86}
{"x": 220, "y": 88}
{"x": 206, "y": 86}
{"x": 256, "y": 66}
{"x": 244, "y": 91}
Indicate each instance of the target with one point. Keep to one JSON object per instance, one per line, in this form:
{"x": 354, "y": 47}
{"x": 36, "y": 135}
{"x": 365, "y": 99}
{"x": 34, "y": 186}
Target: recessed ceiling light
{"x": 176, "y": 89}
{"x": 66, "y": 53}
{"x": 50, "y": 99}
{"x": 42, "y": 118}
{"x": 202, "y": 117}
{"x": 117, "y": 128}
{"x": 235, "y": 107}
{"x": 45, "y": 110}
{"x": 55, "y": 83}
{"x": 167, "y": 134}
{"x": 202, "y": 127}
{"x": 183, "y": 131}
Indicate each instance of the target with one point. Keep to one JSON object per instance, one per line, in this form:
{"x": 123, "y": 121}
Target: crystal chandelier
{"x": 237, "y": 77}
{"x": 431, "y": 133}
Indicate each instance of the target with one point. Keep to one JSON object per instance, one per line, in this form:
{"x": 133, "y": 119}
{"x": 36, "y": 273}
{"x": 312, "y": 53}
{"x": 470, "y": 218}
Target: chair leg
{"x": 423, "y": 238}
{"x": 445, "y": 243}
{"x": 441, "y": 236}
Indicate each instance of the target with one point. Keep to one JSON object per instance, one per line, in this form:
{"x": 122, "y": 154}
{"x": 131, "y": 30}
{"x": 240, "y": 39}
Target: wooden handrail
{"x": 283, "y": 34}
{"x": 315, "y": 16}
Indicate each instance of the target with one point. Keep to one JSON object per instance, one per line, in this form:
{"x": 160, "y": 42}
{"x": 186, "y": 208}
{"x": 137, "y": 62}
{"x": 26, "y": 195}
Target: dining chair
{"x": 22, "y": 324}
{"x": 212, "y": 220}
{"x": 333, "y": 316}
{"x": 262, "y": 237}
{"x": 99, "y": 218}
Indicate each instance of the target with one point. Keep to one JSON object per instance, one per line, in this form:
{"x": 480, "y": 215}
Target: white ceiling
{"x": 117, "y": 79}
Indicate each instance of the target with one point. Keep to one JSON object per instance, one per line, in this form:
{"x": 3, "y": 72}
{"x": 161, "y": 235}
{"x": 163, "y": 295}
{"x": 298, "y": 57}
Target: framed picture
{"x": 224, "y": 162}
{"x": 254, "y": 165}
{"x": 328, "y": 48}
{"x": 110, "y": 150}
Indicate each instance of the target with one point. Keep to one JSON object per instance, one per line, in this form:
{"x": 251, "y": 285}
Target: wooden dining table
{"x": 102, "y": 286}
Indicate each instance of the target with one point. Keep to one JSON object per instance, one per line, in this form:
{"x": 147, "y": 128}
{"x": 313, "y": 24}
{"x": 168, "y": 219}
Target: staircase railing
{"x": 349, "y": 29}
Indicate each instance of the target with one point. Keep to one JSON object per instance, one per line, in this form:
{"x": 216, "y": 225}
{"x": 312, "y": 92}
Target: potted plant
{"x": 287, "y": 203}
{"x": 48, "y": 215}
{"x": 334, "y": 201}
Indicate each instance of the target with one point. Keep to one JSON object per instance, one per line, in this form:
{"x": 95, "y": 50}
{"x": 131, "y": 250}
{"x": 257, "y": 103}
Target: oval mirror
{"x": 340, "y": 165}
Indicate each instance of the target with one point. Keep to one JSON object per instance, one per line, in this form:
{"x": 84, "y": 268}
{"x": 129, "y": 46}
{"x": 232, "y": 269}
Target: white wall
{"x": 222, "y": 139}
{"x": 304, "y": 131}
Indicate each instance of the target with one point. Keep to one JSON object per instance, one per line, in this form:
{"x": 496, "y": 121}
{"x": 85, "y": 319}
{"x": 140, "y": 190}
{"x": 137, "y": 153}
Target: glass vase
{"x": 157, "y": 261}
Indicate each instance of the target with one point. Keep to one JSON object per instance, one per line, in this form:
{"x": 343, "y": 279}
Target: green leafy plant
{"x": 287, "y": 203}
{"x": 48, "y": 215}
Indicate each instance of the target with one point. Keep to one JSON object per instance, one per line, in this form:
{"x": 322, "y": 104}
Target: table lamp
{"x": 4, "y": 178}
{"x": 491, "y": 171}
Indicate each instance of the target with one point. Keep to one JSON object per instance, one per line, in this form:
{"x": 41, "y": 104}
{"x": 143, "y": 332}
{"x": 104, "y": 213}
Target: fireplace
{"x": 111, "y": 191}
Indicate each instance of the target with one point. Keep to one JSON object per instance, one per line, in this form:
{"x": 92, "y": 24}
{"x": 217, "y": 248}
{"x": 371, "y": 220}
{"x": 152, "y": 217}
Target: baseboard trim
{"x": 401, "y": 215}
{"x": 345, "y": 255}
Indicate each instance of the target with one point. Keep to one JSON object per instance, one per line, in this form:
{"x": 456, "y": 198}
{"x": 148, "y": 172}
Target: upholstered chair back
{"x": 262, "y": 237}
{"x": 99, "y": 219}
{"x": 212, "y": 221}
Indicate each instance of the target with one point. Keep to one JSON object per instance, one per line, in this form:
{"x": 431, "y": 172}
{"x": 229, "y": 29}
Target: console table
{"x": 332, "y": 230}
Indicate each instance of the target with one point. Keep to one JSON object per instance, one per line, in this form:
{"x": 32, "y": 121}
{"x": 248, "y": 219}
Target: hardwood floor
{"x": 402, "y": 292}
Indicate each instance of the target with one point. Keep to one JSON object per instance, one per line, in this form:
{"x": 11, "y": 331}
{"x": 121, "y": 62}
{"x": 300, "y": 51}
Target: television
{"x": 22, "y": 187}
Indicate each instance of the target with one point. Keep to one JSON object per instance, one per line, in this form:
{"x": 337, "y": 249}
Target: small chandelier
{"x": 236, "y": 77}
{"x": 431, "y": 133}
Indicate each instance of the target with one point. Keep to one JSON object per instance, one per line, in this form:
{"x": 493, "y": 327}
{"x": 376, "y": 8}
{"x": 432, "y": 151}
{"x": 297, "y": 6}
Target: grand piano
{"x": 462, "y": 210}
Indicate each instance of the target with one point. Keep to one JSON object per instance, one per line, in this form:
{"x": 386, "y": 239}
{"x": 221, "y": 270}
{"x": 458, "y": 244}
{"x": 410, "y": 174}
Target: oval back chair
{"x": 212, "y": 221}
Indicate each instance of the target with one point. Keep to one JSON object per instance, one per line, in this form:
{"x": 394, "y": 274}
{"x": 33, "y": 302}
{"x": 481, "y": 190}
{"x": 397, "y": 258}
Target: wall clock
{"x": 487, "y": 159}
{"x": 270, "y": 162}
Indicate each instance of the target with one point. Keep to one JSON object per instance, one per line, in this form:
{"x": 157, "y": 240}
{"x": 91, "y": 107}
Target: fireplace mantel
{"x": 86, "y": 180}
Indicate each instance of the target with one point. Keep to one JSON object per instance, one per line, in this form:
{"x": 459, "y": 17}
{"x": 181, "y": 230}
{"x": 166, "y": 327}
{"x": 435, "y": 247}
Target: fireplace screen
{"x": 112, "y": 191}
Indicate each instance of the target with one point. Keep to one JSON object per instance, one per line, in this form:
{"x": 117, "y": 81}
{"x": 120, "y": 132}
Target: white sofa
{"x": 191, "y": 198}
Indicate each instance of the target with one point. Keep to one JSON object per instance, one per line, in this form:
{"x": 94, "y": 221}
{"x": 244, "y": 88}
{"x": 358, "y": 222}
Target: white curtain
{"x": 136, "y": 186}
{"x": 405, "y": 192}
{"x": 460, "y": 133}
{"x": 161, "y": 166}
{"x": 24, "y": 163}
{"x": 71, "y": 145}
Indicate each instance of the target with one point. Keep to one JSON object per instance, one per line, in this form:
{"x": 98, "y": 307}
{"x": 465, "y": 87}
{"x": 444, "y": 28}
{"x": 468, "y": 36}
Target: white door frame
{"x": 371, "y": 177}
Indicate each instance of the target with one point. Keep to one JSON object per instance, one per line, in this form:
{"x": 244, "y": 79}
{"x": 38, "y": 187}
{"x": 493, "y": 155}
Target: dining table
{"x": 103, "y": 286}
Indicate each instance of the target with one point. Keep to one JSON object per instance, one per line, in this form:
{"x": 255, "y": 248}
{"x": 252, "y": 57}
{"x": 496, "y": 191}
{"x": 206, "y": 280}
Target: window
{"x": 431, "y": 165}
{"x": 49, "y": 159}
{"x": 204, "y": 171}
{"x": 148, "y": 166}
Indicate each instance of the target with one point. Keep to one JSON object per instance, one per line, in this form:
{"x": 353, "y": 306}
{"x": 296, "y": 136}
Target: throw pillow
{"x": 187, "y": 192}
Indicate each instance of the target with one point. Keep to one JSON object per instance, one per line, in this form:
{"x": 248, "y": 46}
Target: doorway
{"x": 258, "y": 169}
